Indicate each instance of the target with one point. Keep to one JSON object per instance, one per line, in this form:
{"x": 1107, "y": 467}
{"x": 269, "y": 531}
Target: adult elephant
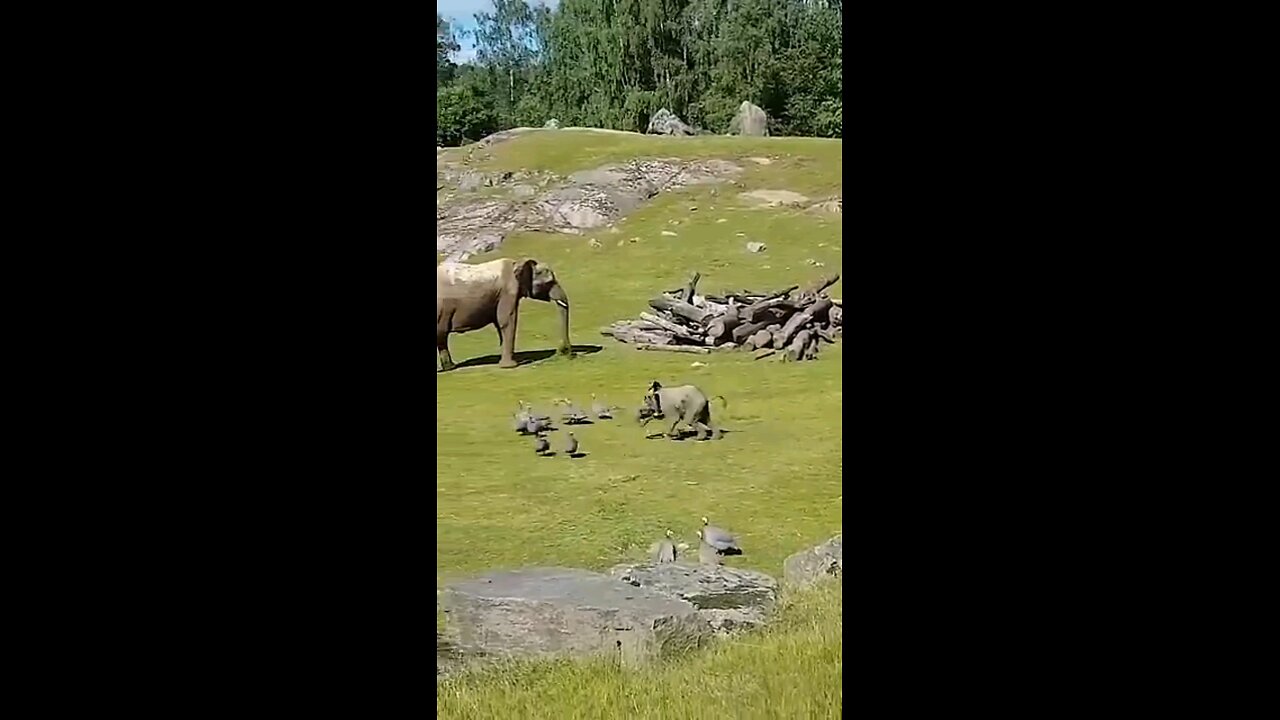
{"x": 468, "y": 297}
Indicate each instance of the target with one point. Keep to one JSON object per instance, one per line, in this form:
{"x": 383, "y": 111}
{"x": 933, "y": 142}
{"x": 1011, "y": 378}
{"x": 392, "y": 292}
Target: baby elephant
{"x": 686, "y": 403}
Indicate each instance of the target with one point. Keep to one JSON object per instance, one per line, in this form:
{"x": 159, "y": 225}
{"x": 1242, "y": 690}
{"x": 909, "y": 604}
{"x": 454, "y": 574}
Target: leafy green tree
{"x": 445, "y": 44}
{"x": 464, "y": 110}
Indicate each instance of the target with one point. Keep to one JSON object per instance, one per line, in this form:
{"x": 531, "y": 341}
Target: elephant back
{"x": 456, "y": 273}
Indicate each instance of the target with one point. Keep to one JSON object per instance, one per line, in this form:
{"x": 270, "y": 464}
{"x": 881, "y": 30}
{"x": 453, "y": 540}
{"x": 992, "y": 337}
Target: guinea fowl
{"x": 600, "y": 410}
{"x": 707, "y": 555}
{"x": 720, "y": 539}
{"x": 572, "y": 415}
{"x": 541, "y": 445}
{"x": 665, "y": 550}
{"x": 571, "y": 445}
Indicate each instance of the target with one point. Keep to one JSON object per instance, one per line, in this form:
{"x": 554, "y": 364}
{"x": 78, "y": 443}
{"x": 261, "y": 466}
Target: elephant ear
{"x": 524, "y": 275}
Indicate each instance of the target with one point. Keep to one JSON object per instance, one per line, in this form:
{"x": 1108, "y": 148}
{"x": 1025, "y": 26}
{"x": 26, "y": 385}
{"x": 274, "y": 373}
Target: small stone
{"x": 695, "y": 363}
{"x": 693, "y": 208}
{"x": 756, "y": 247}
{"x": 593, "y": 243}
{"x": 668, "y": 233}
{"x": 722, "y": 220}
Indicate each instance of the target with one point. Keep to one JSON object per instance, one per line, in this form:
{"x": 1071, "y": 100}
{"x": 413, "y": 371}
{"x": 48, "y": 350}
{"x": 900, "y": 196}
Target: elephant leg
{"x": 672, "y": 433}
{"x": 702, "y": 429}
{"x": 507, "y": 336}
{"x": 442, "y": 347}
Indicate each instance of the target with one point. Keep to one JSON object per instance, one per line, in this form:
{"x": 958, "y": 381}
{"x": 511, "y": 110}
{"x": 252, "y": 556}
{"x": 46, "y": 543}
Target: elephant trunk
{"x": 561, "y": 300}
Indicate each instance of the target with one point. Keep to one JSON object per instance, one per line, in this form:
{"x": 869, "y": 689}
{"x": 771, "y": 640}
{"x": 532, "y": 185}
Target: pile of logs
{"x": 792, "y": 322}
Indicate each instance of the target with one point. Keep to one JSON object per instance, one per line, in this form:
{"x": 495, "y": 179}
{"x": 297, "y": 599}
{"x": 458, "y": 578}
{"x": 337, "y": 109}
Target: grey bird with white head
{"x": 720, "y": 539}
{"x": 665, "y": 550}
{"x": 600, "y": 410}
{"x": 571, "y": 445}
{"x": 707, "y": 555}
{"x": 572, "y": 415}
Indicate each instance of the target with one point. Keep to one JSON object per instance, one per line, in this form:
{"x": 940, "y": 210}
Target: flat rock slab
{"x": 566, "y": 612}
{"x": 727, "y": 598}
{"x": 774, "y": 198}
{"x": 808, "y": 566}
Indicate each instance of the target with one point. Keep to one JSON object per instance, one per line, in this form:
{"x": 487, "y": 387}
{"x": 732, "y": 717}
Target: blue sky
{"x": 460, "y": 14}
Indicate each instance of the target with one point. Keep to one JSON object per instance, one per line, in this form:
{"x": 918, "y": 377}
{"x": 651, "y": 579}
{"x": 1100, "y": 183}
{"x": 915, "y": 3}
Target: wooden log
{"x": 826, "y": 334}
{"x": 748, "y": 313}
{"x": 795, "y": 350}
{"x": 676, "y": 348}
{"x": 779, "y": 314}
{"x": 678, "y": 307}
{"x": 757, "y": 310}
{"x": 633, "y": 336}
{"x": 687, "y": 295}
{"x": 762, "y": 338}
{"x": 721, "y": 329}
{"x": 836, "y": 314}
{"x": 746, "y": 330}
{"x": 799, "y": 320}
{"x": 760, "y": 354}
{"x": 673, "y": 328}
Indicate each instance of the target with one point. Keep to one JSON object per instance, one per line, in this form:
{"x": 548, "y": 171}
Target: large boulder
{"x": 564, "y": 612}
{"x": 727, "y": 598}
{"x": 808, "y": 566}
{"x": 665, "y": 122}
{"x": 749, "y": 120}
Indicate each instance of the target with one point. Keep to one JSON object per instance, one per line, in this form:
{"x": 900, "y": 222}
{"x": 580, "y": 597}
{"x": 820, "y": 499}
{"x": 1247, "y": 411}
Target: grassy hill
{"x": 775, "y": 480}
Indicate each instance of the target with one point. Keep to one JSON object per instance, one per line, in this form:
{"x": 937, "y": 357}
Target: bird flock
{"x": 529, "y": 421}
{"x": 714, "y": 544}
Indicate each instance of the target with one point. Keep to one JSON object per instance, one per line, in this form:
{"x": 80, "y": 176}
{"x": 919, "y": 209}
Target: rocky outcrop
{"x": 467, "y": 225}
{"x": 637, "y": 613}
{"x": 750, "y": 120}
{"x": 728, "y": 599}
{"x": 665, "y": 122}
{"x": 563, "y": 612}
{"x": 809, "y": 566}
{"x": 552, "y": 124}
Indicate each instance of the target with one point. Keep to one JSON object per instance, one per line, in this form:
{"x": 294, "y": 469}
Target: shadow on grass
{"x": 684, "y": 434}
{"x": 525, "y": 357}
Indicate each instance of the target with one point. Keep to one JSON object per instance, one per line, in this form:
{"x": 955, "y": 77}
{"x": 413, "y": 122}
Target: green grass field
{"x": 775, "y": 479}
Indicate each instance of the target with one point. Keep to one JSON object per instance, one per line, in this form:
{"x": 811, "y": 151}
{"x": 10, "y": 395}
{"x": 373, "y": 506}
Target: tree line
{"x": 613, "y": 63}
